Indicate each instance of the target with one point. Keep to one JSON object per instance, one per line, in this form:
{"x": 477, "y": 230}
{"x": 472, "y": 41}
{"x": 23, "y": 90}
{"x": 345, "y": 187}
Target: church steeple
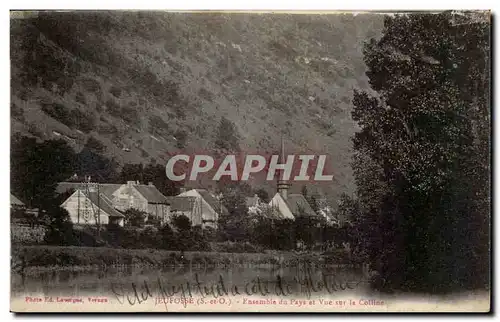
{"x": 283, "y": 185}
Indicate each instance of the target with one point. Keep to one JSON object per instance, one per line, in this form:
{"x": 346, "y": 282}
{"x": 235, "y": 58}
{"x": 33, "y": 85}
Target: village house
{"x": 88, "y": 206}
{"x": 185, "y": 206}
{"x": 21, "y": 211}
{"x": 257, "y": 207}
{"x": 206, "y": 209}
{"x": 289, "y": 206}
{"x": 146, "y": 198}
{"x": 107, "y": 202}
{"x": 15, "y": 203}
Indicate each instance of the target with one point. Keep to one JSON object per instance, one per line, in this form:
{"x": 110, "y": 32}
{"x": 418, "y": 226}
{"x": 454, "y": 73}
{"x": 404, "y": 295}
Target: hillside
{"x": 148, "y": 85}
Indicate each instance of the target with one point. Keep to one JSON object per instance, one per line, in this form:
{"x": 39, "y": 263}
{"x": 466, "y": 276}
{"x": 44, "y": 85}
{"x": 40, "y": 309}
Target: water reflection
{"x": 70, "y": 283}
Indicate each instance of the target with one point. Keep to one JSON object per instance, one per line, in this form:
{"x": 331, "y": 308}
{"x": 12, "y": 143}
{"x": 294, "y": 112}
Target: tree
{"x": 134, "y": 217}
{"x": 91, "y": 163}
{"x": 183, "y": 233}
{"x": 168, "y": 240}
{"x": 235, "y": 222}
{"x": 132, "y": 172}
{"x": 308, "y": 229}
{"x": 423, "y": 141}
{"x": 263, "y": 195}
{"x": 60, "y": 227}
{"x": 155, "y": 173}
{"x": 152, "y": 172}
{"x": 95, "y": 145}
{"x": 181, "y": 223}
{"x": 227, "y": 138}
{"x": 37, "y": 167}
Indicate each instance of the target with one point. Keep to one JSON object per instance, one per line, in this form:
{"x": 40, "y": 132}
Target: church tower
{"x": 283, "y": 185}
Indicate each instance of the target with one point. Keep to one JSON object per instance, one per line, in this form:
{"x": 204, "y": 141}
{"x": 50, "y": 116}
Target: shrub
{"x": 181, "y": 223}
{"x": 60, "y": 230}
{"x": 71, "y": 118}
{"x": 58, "y": 112}
{"x": 115, "y": 91}
{"x": 16, "y": 112}
{"x": 113, "y": 108}
{"x": 107, "y": 129}
{"x": 80, "y": 98}
{"x": 134, "y": 217}
{"x": 157, "y": 124}
{"x": 95, "y": 145}
{"x": 150, "y": 238}
{"x": 181, "y": 137}
{"x": 130, "y": 115}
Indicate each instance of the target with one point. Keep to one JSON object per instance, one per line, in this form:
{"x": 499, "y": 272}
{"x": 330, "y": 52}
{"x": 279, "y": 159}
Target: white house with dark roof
{"x": 289, "y": 206}
{"x": 88, "y": 206}
{"x": 15, "y": 202}
{"x": 186, "y": 206}
{"x": 119, "y": 197}
{"x": 143, "y": 197}
{"x": 207, "y": 208}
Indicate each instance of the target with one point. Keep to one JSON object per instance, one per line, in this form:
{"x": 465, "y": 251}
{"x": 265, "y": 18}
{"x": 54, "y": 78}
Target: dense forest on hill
{"x": 150, "y": 84}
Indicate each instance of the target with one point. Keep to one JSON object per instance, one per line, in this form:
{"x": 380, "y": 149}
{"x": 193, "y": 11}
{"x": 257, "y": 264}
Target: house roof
{"x": 212, "y": 201}
{"x": 104, "y": 203}
{"x": 105, "y": 188}
{"x": 63, "y": 187}
{"x": 181, "y": 203}
{"x": 298, "y": 205}
{"x": 109, "y": 188}
{"x": 15, "y": 201}
{"x": 151, "y": 193}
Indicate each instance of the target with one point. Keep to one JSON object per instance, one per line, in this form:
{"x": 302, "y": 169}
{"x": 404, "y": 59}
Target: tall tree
{"x": 37, "y": 167}
{"x": 90, "y": 161}
{"x": 227, "y": 138}
{"x": 152, "y": 172}
{"x": 421, "y": 162}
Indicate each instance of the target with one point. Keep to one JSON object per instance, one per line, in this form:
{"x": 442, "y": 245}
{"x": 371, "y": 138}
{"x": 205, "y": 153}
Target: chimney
{"x": 130, "y": 183}
{"x": 137, "y": 182}
{"x": 150, "y": 184}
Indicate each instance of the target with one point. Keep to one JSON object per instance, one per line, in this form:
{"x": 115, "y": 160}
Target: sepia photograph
{"x": 250, "y": 161}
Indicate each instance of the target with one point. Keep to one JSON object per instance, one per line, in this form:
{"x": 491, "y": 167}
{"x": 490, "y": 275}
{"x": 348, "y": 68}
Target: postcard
{"x": 250, "y": 161}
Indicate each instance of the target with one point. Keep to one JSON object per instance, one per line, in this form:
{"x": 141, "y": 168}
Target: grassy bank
{"x": 88, "y": 258}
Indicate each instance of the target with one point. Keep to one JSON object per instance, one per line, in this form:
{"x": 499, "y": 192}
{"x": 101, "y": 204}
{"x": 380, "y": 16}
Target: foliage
{"x": 235, "y": 247}
{"x": 263, "y": 195}
{"x": 72, "y": 118}
{"x": 60, "y": 228}
{"x": 274, "y": 234}
{"x": 158, "y": 125}
{"x": 95, "y": 145}
{"x": 134, "y": 217}
{"x": 227, "y": 137}
{"x": 181, "y": 223}
{"x": 181, "y": 137}
{"x": 168, "y": 240}
{"x": 235, "y": 222}
{"x": 90, "y": 162}
{"x": 423, "y": 141}
{"x": 308, "y": 230}
{"x": 36, "y": 168}
{"x": 152, "y": 172}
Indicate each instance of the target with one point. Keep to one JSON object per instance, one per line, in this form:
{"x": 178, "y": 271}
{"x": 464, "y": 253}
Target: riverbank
{"x": 40, "y": 258}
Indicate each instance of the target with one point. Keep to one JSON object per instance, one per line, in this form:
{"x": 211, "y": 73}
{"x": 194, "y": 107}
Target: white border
{"x": 275, "y": 5}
